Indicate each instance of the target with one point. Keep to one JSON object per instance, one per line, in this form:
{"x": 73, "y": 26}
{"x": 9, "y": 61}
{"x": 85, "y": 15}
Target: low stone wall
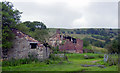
{"x": 59, "y": 55}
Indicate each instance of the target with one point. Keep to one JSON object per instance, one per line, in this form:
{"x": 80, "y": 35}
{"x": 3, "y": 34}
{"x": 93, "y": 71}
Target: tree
{"x": 113, "y": 47}
{"x": 34, "y": 29}
{"x": 35, "y": 24}
{"x": 10, "y": 18}
{"x": 41, "y": 35}
{"x": 85, "y": 43}
{"x": 22, "y": 27}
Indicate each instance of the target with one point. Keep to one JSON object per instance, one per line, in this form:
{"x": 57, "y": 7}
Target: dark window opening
{"x": 68, "y": 37}
{"x": 33, "y": 45}
{"x": 74, "y": 40}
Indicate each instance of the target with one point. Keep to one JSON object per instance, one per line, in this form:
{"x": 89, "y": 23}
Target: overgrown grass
{"x": 52, "y": 60}
{"x": 113, "y": 59}
{"x": 99, "y": 49}
{"x": 14, "y": 62}
{"x": 81, "y": 56}
{"x": 73, "y": 64}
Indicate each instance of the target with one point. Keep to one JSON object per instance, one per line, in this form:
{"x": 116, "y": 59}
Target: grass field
{"x": 73, "y": 64}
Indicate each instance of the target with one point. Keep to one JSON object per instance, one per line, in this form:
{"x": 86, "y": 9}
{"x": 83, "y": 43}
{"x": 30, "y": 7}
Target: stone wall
{"x": 71, "y": 47}
{"x": 21, "y": 49}
{"x": 79, "y": 46}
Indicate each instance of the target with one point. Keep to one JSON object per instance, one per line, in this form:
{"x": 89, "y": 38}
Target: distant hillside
{"x": 97, "y": 32}
{"x": 97, "y": 37}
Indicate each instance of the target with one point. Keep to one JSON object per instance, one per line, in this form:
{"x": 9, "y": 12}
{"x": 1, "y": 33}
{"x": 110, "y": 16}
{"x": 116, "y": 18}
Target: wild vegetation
{"x": 10, "y": 18}
{"x": 97, "y": 41}
{"x": 74, "y": 63}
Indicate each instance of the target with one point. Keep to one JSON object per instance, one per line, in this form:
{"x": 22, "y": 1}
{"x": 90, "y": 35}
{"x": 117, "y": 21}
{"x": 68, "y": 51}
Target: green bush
{"x": 14, "y": 62}
{"x": 112, "y": 60}
{"x": 53, "y": 57}
{"x": 47, "y": 61}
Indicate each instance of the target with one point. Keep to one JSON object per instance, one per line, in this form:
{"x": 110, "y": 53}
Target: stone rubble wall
{"x": 21, "y": 49}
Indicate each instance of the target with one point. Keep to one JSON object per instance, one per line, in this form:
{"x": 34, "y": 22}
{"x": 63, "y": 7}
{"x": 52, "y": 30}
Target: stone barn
{"x": 26, "y": 46}
{"x": 71, "y": 44}
{"x": 56, "y": 39}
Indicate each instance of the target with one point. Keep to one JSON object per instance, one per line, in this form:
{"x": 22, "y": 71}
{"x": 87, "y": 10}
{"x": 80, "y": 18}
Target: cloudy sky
{"x": 70, "y": 13}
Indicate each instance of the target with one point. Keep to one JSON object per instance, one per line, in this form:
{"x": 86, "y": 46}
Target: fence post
{"x": 105, "y": 57}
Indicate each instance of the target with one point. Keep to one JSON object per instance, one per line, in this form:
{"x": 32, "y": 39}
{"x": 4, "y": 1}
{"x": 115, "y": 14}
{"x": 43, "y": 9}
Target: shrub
{"x": 112, "y": 60}
{"x": 47, "y": 61}
{"x": 14, "y": 62}
{"x": 53, "y": 57}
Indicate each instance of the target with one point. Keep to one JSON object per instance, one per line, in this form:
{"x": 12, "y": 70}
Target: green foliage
{"x": 7, "y": 38}
{"x": 14, "y": 62}
{"x": 88, "y": 47}
{"x": 85, "y": 43}
{"x": 22, "y": 27}
{"x": 32, "y": 59}
{"x": 99, "y": 50}
{"x": 39, "y": 34}
{"x": 96, "y": 37}
{"x": 48, "y": 61}
{"x": 112, "y": 60}
{"x": 74, "y": 64}
{"x": 34, "y": 25}
{"x": 106, "y": 38}
{"x": 54, "y": 58}
{"x": 56, "y": 50}
{"x": 102, "y": 63}
{"x": 10, "y": 18}
{"x": 94, "y": 42}
{"x": 113, "y": 46}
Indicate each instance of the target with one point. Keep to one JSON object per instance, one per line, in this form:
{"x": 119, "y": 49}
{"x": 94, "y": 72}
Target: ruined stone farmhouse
{"x": 26, "y": 46}
{"x": 56, "y": 39}
{"x": 66, "y": 43}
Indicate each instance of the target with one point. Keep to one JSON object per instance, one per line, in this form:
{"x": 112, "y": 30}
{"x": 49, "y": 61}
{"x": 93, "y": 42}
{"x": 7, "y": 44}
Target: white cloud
{"x": 80, "y": 23}
{"x": 70, "y": 13}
